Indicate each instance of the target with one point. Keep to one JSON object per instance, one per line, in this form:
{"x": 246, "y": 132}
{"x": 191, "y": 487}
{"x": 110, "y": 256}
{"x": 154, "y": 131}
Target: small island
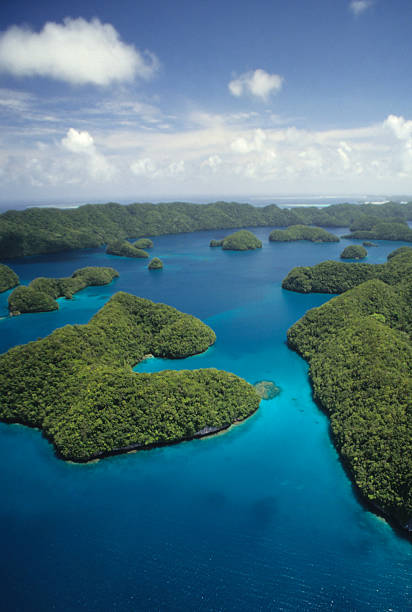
{"x": 143, "y": 243}
{"x": 367, "y": 243}
{"x": 243, "y": 240}
{"x": 155, "y": 264}
{"x": 42, "y": 293}
{"x": 302, "y": 232}
{"x": 354, "y": 251}
{"x": 122, "y": 248}
{"x": 77, "y": 384}
{"x": 8, "y": 278}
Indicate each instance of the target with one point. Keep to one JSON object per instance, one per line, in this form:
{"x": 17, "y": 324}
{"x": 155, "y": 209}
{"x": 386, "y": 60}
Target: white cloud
{"x": 82, "y": 143}
{"x": 258, "y": 83}
{"x": 399, "y": 126}
{"x": 360, "y": 6}
{"x": 76, "y": 51}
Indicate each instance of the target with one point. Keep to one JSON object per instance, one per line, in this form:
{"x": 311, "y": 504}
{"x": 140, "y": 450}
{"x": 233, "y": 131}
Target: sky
{"x": 166, "y": 100}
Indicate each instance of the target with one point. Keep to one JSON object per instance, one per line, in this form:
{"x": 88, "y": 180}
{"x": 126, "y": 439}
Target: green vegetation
{"x": 125, "y": 249}
{"x": 8, "y": 278}
{"x": 41, "y": 230}
{"x": 337, "y": 277}
{"x": 41, "y": 294}
{"x": 302, "y": 232}
{"x": 366, "y": 243}
{"x": 394, "y": 230}
{"x": 143, "y": 243}
{"x": 155, "y": 264}
{"x": 216, "y": 243}
{"x": 243, "y": 240}
{"x": 354, "y": 251}
{"x": 77, "y": 384}
{"x": 359, "y": 349}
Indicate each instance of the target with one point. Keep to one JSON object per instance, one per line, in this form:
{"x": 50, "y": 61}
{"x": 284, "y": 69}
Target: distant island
{"x": 359, "y": 349}
{"x": 123, "y": 248}
{"x": 302, "y": 232}
{"x": 354, "y": 251}
{"x": 243, "y": 240}
{"x": 50, "y": 230}
{"x": 78, "y": 387}
{"x": 8, "y": 278}
{"x": 41, "y": 294}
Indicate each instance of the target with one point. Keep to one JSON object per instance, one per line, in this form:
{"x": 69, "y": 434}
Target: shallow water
{"x": 262, "y": 517}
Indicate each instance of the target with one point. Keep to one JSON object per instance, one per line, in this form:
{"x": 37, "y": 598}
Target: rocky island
{"x": 78, "y": 387}
{"x": 354, "y": 251}
{"x": 302, "y": 232}
{"x": 155, "y": 264}
{"x": 243, "y": 240}
{"x": 143, "y": 243}
{"x": 41, "y": 294}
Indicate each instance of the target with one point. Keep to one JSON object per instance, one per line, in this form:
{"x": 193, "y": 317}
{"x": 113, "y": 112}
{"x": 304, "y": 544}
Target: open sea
{"x": 262, "y": 517}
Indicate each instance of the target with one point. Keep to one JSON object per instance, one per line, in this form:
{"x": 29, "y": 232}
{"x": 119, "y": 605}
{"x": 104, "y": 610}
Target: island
{"x": 50, "y": 230}
{"x": 358, "y": 346}
{"x": 143, "y": 243}
{"x": 367, "y": 243}
{"x": 397, "y": 229}
{"x": 123, "y": 248}
{"x": 337, "y": 277}
{"x": 8, "y": 278}
{"x": 354, "y": 251}
{"x": 155, "y": 264}
{"x": 216, "y": 243}
{"x": 77, "y": 384}
{"x": 302, "y": 232}
{"x": 243, "y": 240}
{"x": 41, "y": 294}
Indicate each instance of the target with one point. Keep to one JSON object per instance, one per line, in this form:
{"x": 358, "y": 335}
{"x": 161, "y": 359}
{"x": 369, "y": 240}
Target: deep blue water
{"x": 262, "y": 517}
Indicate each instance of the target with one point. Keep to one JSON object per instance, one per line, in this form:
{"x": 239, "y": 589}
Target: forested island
{"x": 382, "y": 230}
{"x": 302, "y": 232}
{"x": 354, "y": 251}
{"x": 48, "y": 230}
{"x": 77, "y": 385}
{"x": 243, "y": 240}
{"x": 155, "y": 264}
{"x": 8, "y": 278}
{"x": 41, "y": 294}
{"x": 359, "y": 349}
{"x": 337, "y": 277}
{"x": 123, "y": 248}
{"x": 143, "y": 243}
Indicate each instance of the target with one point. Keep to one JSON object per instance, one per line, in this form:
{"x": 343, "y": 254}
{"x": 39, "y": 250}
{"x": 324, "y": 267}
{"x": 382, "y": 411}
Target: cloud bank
{"x": 258, "y": 83}
{"x": 76, "y": 51}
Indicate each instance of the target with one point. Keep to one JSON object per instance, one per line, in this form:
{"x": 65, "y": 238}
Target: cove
{"x": 260, "y": 517}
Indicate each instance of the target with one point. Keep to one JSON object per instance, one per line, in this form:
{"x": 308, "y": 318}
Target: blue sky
{"x": 165, "y": 100}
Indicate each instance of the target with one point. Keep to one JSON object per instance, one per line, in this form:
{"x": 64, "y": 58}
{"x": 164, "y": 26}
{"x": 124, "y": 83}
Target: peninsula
{"x": 123, "y": 248}
{"x": 78, "y": 387}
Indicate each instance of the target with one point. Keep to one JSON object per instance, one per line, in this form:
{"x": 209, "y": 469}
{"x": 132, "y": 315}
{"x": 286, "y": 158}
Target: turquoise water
{"x": 262, "y": 517}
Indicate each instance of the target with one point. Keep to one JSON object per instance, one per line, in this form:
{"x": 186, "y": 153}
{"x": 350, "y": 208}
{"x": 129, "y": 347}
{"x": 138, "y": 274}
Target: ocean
{"x": 262, "y": 517}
